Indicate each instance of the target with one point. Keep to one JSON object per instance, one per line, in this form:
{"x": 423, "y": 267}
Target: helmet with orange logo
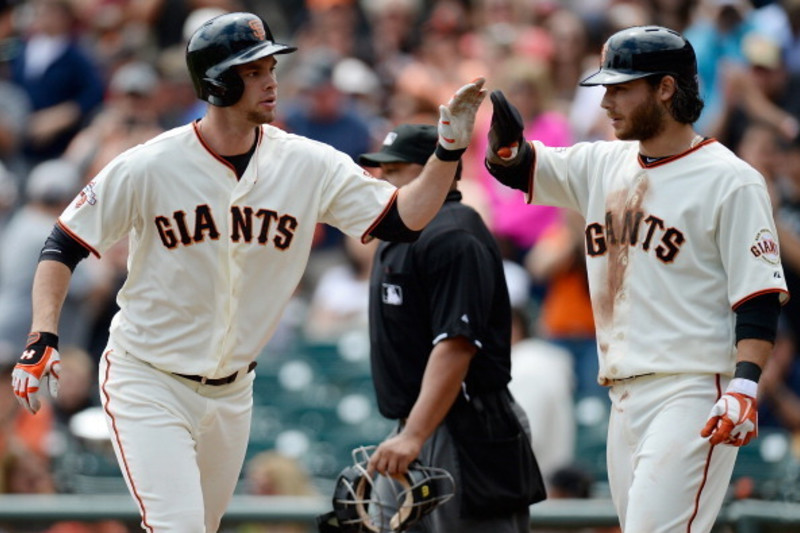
{"x": 220, "y": 44}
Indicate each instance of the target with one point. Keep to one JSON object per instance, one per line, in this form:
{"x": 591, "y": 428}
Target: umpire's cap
{"x": 643, "y": 51}
{"x": 222, "y": 43}
{"x": 407, "y": 143}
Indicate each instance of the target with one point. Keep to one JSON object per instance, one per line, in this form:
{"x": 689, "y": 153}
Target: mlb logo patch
{"x": 392, "y": 294}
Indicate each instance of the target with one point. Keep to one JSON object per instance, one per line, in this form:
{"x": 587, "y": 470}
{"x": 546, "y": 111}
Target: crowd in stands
{"x": 83, "y": 80}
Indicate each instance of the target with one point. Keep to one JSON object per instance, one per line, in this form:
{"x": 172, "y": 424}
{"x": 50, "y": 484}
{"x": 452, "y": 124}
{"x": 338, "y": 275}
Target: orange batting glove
{"x": 40, "y": 361}
{"x": 734, "y": 418}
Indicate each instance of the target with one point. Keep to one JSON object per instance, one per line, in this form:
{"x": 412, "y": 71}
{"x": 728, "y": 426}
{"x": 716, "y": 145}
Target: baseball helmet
{"x": 220, "y": 44}
{"x": 396, "y": 505}
{"x": 643, "y": 51}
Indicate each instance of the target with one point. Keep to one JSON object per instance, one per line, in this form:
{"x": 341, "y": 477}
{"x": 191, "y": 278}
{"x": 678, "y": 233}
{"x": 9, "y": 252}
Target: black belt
{"x": 217, "y": 381}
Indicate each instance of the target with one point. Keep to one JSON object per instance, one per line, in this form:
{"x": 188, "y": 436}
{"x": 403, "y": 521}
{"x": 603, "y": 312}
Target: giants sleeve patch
{"x": 765, "y": 247}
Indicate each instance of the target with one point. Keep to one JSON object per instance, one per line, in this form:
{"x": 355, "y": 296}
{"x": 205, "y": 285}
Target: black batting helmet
{"x": 222, "y": 43}
{"x": 644, "y": 51}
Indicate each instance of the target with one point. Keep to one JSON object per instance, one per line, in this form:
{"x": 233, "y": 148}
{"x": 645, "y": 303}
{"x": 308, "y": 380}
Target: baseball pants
{"x": 180, "y": 444}
{"x": 664, "y": 477}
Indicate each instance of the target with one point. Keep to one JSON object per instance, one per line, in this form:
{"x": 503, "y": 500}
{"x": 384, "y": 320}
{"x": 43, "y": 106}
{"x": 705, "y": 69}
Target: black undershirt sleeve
{"x": 757, "y": 318}
{"x": 61, "y": 247}
{"x": 392, "y": 228}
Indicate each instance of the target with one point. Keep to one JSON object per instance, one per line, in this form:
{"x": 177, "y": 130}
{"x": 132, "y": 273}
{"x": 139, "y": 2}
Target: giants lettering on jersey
{"x": 634, "y": 229}
{"x": 246, "y": 225}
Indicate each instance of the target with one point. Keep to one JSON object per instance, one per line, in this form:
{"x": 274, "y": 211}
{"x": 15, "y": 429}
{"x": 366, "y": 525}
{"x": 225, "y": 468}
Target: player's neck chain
{"x": 695, "y": 141}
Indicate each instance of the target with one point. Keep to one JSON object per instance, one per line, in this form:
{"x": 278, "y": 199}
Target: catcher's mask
{"x": 360, "y": 508}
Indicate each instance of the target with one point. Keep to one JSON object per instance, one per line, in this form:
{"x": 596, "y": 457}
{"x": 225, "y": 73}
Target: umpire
{"x": 440, "y": 326}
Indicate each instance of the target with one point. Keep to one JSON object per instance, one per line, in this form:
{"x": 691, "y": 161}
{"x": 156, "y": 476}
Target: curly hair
{"x": 686, "y": 104}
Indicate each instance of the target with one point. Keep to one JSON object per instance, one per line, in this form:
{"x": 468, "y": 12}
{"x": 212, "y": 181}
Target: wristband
{"x": 448, "y": 155}
{"x": 743, "y": 386}
{"x": 747, "y": 370}
{"x": 43, "y": 337}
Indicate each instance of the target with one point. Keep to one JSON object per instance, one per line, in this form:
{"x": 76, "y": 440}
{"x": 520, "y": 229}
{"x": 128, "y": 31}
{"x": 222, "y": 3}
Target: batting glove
{"x": 457, "y": 119}
{"x": 734, "y": 418}
{"x": 39, "y": 362}
{"x": 505, "y": 132}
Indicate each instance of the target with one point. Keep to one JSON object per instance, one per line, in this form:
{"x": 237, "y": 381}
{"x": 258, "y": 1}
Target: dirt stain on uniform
{"x": 621, "y": 207}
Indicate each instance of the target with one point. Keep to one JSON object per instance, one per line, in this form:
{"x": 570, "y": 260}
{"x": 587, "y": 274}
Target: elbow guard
{"x": 61, "y": 247}
{"x": 757, "y": 318}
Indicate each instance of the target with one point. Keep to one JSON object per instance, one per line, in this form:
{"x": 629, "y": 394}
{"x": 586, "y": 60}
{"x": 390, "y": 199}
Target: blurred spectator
{"x": 716, "y": 35}
{"x": 128, "y": 117}
{"x": 177, "y": 102}
{"x": 763, "y": 91}
{"x": 542, "y": 383}
{"x": 24, "y": 441}
{"x": 516, "y": 224}
{"x": 574, "y": 482}
{"x": 439, "y": 66}
{"x": 341, "y": 297}
{"x": 322, "y": 111}
{"x": 393, "y": 33}
{"x": 571, "y": 482}
{"x": 333, "y": 25}
{"x": 9, "y": 195}
{"x": 569, "y": 58}
{"x": 779, "y": 404}
{"x": 274, "y": 474}
{"x": 558, "y": 262}
{"x": 165, "y": 18}
{"x": 503, "y": 28}
{"x": 15, "y": 106}
{"x": 49, "y": 189}
{"x": 77, "y": 385}
{"x": 58, "y": 75}
{"x": 675, "y": 14}
{"x": 787, "y": 220}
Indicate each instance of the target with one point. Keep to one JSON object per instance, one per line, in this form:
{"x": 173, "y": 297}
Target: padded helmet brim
{"x": 613, "y": 77}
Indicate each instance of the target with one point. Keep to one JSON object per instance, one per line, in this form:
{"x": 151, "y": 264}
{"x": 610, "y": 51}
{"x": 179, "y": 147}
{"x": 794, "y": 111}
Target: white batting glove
{"x": 734, "y": 418}
{"x": 39, "y": 362}
{"x": 457, "y": 119}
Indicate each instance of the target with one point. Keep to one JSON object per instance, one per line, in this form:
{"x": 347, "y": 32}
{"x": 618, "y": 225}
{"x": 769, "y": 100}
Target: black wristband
{"x": 448, "y": 155}
{"x": 747, "y": 370}
{"x": 43, "y": 337}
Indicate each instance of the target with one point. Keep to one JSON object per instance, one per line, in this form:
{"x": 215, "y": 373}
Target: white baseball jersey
{"x": 213, "y": 260}
{"x": 672, "y": 247}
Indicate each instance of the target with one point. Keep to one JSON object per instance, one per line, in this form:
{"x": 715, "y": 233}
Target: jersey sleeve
{"x": 749, "y": 246}
{"x": 103, "y": 211}
{"x": 460, "y": 285}
{"x": 560, "y": 175}
{"x": 353, "y": 200}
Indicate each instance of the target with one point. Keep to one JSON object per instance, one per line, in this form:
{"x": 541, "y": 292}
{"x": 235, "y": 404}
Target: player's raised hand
{"x": 457, "y": 120}
{"x": 505, "y": 133}
{"x": 39, "y": 362}
{"x": 733, "y": 419}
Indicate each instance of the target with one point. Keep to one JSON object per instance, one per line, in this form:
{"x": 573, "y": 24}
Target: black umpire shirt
{"x": 448, "y": 283}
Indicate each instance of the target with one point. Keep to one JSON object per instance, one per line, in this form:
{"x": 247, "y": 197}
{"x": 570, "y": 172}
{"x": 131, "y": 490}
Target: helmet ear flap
{"x": 224, "y": 90}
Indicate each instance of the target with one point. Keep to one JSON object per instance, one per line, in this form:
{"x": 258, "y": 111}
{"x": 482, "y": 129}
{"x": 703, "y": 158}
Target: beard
{"x": 260, "y": 117}
{"x": 645, "y": 122}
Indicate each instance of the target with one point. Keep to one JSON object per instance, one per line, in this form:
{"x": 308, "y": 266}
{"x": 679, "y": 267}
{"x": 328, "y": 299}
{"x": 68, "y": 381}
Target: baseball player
{"x": 684, "y": 272}
{"x": 220, "y": 215}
